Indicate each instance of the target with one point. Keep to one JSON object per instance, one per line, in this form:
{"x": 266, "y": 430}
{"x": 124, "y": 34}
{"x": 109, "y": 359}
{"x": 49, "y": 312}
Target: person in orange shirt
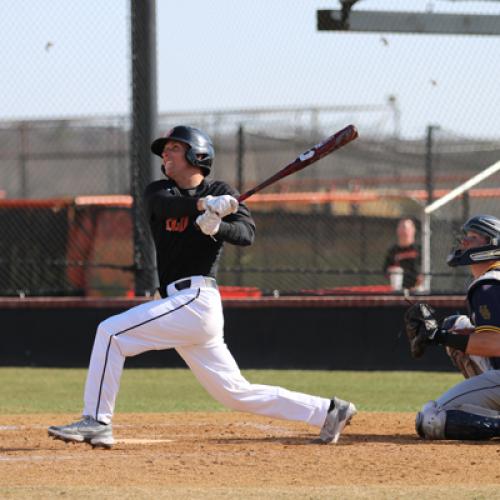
{"x": 404, "y": 256}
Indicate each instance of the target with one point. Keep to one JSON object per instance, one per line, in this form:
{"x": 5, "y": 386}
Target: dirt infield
{"x": 234, "y": 455}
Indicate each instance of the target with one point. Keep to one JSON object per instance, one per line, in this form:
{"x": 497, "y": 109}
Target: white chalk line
{"x": 37, "y": 458}
{"x": 143, "y": 441}
{"x": 253, "y": 425}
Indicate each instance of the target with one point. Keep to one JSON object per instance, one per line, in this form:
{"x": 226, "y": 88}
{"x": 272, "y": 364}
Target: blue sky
{"x": 72, "y": 58}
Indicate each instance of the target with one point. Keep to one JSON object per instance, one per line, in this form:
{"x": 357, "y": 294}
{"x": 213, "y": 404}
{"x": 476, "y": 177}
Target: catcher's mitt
{"x": 420, "y": 327}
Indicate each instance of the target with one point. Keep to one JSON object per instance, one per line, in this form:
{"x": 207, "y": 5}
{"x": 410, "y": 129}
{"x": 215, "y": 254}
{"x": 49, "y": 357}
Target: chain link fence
{"x": 327, "y": 226}
{"x": 444, "y": 223}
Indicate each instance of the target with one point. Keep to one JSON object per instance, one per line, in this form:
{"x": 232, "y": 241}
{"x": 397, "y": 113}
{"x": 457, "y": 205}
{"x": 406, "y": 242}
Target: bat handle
{"x": 406, "y": 295}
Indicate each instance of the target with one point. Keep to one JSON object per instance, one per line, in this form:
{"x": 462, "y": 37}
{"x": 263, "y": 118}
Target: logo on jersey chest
{"x": 177, "y": 225}
{"x": 484, "y": 311}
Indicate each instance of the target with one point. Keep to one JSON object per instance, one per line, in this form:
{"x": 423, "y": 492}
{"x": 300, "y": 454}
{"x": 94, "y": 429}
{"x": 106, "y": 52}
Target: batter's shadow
{"x": 306, "y": 440}
{"x": 351, "y": 439}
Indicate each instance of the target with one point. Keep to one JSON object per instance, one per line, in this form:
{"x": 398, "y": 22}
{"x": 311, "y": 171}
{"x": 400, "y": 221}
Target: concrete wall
{"x": 285, "y": 333}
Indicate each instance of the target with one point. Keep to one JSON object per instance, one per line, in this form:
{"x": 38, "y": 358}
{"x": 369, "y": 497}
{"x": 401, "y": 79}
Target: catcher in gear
{"x": 471, "y": 409}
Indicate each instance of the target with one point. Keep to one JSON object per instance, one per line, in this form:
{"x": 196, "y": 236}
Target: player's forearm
{"x": 484, "y": 342}
{"x": 239, "y": 233}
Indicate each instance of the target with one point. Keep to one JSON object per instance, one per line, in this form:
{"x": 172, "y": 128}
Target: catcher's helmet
{"x": 200, "y": 152}
{"x": 486, "y": 225}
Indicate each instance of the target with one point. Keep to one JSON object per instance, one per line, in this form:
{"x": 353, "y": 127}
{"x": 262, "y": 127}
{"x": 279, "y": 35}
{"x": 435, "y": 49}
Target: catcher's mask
{"x": 200, "y": 151}
{"x": 486, "y": 225}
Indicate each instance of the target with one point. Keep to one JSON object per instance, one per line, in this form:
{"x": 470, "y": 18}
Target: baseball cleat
{"x": 336, "y": 420}
{"x": 87, "y": 430}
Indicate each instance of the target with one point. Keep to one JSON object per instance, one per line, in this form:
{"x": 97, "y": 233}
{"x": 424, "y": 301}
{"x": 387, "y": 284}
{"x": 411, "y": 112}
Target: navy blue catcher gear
{"x": 486, "y": 225}
{"x": 464, "y": 425}
{"x": 200, "y": 152}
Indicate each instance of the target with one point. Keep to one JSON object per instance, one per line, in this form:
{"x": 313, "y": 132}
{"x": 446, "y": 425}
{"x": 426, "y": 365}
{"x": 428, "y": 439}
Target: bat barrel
{"x": 327, "y": 146}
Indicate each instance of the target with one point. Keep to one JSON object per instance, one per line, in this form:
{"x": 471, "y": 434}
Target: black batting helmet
{"x": 200, "y": 152}
{"x": 486, "y": 225}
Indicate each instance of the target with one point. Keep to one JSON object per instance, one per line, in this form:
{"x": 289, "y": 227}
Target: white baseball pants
{"x": 190, "y": 321}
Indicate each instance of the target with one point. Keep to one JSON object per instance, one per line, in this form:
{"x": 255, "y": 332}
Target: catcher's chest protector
{"x": 484, "y": 312}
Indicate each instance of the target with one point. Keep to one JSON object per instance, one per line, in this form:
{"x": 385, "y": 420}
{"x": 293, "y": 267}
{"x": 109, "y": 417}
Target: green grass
{"x": 48, "y": 390}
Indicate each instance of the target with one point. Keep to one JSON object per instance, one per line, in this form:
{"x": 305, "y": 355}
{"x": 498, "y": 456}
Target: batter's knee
{"x": 430, "y": 421}
{"x": 106, "y": 329}
{"x": 232, "y": 398}
{"x": 236, "y": 395}
{"x": 104, "y": 332}
{"x": 102, "y": 328}
{"x": 231, "y": 402}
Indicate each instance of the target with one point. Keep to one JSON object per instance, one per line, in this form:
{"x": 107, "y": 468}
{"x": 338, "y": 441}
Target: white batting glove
{"x": 221, "y": 205}
{"x": 208, "y": 222}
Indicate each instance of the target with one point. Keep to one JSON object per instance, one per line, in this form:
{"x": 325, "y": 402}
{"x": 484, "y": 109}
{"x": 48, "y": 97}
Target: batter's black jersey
{"x": 483, "y": 297}
{"x": 182, "y": 250}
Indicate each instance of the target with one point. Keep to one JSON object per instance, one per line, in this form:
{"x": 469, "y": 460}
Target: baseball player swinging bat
{"x": 329, "y": 145}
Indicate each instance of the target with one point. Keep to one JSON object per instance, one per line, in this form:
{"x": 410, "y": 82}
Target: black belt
{"x": 182, "y": 285}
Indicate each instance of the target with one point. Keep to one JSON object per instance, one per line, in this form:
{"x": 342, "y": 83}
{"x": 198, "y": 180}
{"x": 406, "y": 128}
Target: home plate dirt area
{"x": 228, "y": 454}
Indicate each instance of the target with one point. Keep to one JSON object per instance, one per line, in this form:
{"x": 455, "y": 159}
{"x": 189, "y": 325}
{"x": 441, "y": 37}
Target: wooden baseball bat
{"x": 325, "y": 147}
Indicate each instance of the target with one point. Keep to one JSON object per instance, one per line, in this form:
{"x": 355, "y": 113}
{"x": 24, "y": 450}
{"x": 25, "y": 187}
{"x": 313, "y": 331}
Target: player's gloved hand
{"x": 421, "y": 328}
{"x": 221, "y": 205}
{"x": 457, "y": 323}
{"x": 208, "y": 222}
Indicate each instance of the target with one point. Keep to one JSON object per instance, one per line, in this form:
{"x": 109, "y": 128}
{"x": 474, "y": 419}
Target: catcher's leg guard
{"x": 464, "y": 425}
{"x": 430, "y": 421}
{"x": 433, "y": 422}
